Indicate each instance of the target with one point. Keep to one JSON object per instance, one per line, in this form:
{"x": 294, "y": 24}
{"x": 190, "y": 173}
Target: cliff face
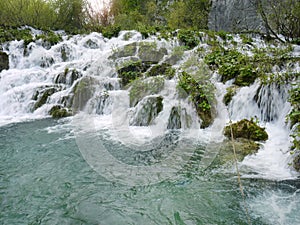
{"x": 234, "y": 15}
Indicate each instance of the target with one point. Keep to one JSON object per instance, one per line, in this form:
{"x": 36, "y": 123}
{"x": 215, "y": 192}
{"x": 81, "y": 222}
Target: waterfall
{"x": 80, "y": 74}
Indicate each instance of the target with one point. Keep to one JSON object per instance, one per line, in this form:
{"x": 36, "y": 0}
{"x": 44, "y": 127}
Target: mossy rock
{"x": 58, "y": 111}
{"x": 174, "y": 121}
{"x": 231, "y": 91}
{"x": 126, "y": 51}
{"x": 161, "y": 69}
{"x": 83, "y": 90}
{"x": 201, "y": 96}
{"x": 67, "y": 77}
{"x": 246, "y": 129}
{"x": 243, "y": 148}
{"x": 147, "y": 111}
{"x": 148, "y": 52}
{"x": 4, "y": 61}
{"x": 41, "y": 96}
{"x": 131, "y": 71}
{"x": 296, "y": 162}
{"x": 141, "y": 88}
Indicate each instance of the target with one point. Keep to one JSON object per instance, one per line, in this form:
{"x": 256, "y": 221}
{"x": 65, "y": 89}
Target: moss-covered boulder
{"x": 148, "y": 52}
{"x": 41, "y": 96}
{"x": 247, "y": 129}
{"x": 83, "y": 90}
{"x": 58, "y": 111}
{"x": 243, "y": 148}
{"x": 141, "y": 88}
{"x": 126, "y": 51}
{"x": 164, "y": 69}
{"x": 131, "y": 71}
{"x": 147, "y": 111}
{"x": 4, "y": 61}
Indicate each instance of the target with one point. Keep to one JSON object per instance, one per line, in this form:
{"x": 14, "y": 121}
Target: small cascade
{"x": 268, "y": 105}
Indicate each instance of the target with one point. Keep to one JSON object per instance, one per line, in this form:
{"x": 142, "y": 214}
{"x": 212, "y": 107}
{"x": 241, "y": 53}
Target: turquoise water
{"x": 45, "y": 180}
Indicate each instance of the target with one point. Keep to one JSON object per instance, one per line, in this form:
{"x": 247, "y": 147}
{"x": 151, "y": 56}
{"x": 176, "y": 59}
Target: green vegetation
{"x": 200, "y": 94}
{"x": 131, "y": 71}
{"x": 246, "y": 129}
{"x": 294, "y": 116}
{"x": 231, "y": 91}
{"x": 58, "y": 111}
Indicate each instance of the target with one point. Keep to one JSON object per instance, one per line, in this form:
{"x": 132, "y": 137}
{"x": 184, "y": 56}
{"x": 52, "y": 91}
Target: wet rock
{"x": 141, "y": 88}
{"x": 126, "y": 51}
{"x": 296, "y": 162}
{"x": 41, "y": 96}
{"x": 174, "y": 121}
{"x": 67, "y": 77}
{"x": 149, "y": 53}
{"x": 161, "y": 69}
{"x": 58, "y": 111}
{"x": 131, "y": 71}
{"x": 4, "y": 61}
{"x": 147, "y": 110}
{"x": 91, "y": 44}
{"x": 243, "y": 148}
{"x": 83, "y": 91}
{"x": 246, "y": 129}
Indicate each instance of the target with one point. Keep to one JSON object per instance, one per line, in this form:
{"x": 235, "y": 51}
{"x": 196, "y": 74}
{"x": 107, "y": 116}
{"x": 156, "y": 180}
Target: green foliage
{"x": 10, "y": 34}
{"x": 162, "y": 69}
{"x": 50, "y": 37}
{"x": 111, "y": 31}
{"x": 131, "y": 71}
{"x": 189, "y": 38}
{"x": 200, "y": 93}
{"x": 232, "y": 64}
{"x": 246, "y": 129}
{"x": 54, "y": 14}
{"x": 231, "y": 91}
{"x": 246, "y": 39}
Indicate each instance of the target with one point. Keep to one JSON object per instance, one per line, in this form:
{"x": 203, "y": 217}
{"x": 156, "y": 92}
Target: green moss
{"x": 131, "y": 71}
{"x": 58, "y": 112}
{"x": 162, "y": 69}
{"x": 231, "y": 91}
{"x": 141, "y": 88}
{"x": 10, "y": 34}
{"x": 43, "y": 96}
{"x": 243, "y": 148}
{"x": 50, "y": 37}
{"x": 246, "y": 129}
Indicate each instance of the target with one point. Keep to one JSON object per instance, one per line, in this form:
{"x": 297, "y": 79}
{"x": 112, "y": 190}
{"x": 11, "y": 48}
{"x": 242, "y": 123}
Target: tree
{"x": 280, "y": 17}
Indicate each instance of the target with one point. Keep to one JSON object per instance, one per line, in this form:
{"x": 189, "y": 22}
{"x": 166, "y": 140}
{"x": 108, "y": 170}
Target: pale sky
{"x": 98, "y": 4}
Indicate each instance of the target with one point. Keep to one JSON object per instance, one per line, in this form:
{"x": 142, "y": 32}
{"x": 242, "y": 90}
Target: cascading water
{"x": 144, "y": 134}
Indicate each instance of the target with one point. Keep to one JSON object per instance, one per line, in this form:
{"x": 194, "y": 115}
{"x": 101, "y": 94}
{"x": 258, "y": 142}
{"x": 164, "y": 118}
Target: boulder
{"x": 41, "y": 96}
{"x": 174, "y": 121}
{"x": 247, "y": 129}
{"x": 83, "y": 91}
{"x": 67, "y": 77}
{"x": 127, "y": 50}
{"x": 147, "y": 110}
{"x": 4, "y": 61}
{"x": 148, "y": 52}
{"x": 58, "y": 111}
{"x": 296, "y": 162}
